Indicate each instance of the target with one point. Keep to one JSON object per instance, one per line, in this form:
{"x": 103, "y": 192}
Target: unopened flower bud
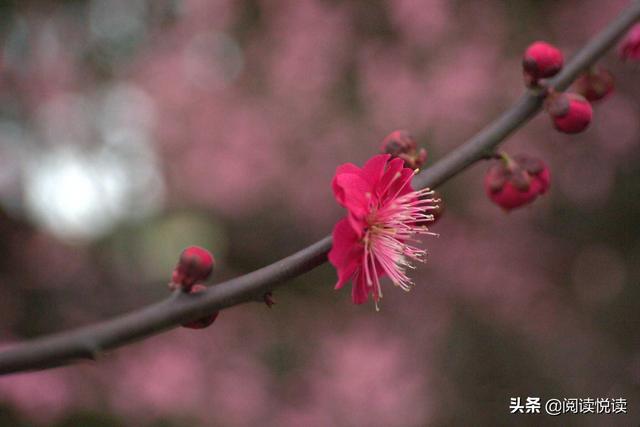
{"x": 630, "y": 46}
{"x": 541, "y": 60}
{"x": 570, "y": 112}
{"x": 195, "y": 265}
{"x": 401, "y": 144}
{"x": 516, "y": 181}
{"x": 203, "y": 322}
{"x": 595, "y": 84}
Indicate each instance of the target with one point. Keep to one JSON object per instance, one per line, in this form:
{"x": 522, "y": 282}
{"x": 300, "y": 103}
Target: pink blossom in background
{"x": 182, "y": 376}
{"x": 586, "y": 181}
{"x": 310, "y": 417}
{"x": 422, "y": 23}
{"x": 238, "y": 391}
{"x": 51, "y": 68}
{"x": 585, "y": 19}
{"x": 442, "y": 97}
{"x": 54, "y": 259}
{"x": 617, "y": 128}
{"x": 394, "y": 93}
{"x": 308, "y": 45}
{"x": 230, "y": 154}
{"x": 206, "y": 15}
{"x": 211, "y": 374}
{"x": 160, "y": 378}
{"x": 43, "y": 395}
{"x": 499, "y": 273}
{"x": 160, "y": 70}
{"x": 461, "y": 80}
{"x": 361, "y": 377}
{"x": 598, "y": 275}
{"x": 335, "y": 140}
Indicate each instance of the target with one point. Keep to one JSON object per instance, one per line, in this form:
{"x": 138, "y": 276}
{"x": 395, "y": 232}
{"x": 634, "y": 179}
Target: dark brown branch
{"x": 89, "y": 342}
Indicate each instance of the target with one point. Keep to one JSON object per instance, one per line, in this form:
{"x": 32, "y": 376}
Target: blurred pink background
{"x": 131, "y": 129}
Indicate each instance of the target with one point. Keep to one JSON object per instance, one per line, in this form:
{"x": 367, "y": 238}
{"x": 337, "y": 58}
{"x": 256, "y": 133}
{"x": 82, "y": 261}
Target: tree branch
{"x": 90, "y": 341}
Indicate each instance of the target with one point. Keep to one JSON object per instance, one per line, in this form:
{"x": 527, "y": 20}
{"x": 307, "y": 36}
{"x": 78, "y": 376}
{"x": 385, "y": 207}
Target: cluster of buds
{"x": 516, "y": 181}
{"x": 401, "y": 144}
{"x": 195, "y": 265}
{"x": 570, "y": 112}
{"x": 519, "y": 180}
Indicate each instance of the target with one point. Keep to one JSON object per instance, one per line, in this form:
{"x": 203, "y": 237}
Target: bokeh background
{"x": 130, "y": 129}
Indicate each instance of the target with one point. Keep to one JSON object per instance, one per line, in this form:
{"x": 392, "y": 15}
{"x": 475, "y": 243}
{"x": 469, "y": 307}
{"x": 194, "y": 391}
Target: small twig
{"x": 83, "y": 343}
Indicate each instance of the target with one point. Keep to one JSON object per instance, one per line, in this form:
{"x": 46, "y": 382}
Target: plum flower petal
{"x": 384, "y": 214}
{"x": 352, "y": 191}
{"x": 341, "y": 170}
{"x": 373, "y": 170}
{"x": 345, "y": 251}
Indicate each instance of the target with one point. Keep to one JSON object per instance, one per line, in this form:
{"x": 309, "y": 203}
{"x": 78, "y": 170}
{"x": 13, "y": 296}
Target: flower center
{"x": 391, "y": 227}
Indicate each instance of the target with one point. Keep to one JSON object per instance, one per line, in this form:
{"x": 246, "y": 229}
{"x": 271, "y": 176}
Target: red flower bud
{"x": 630, "y": 46}
{"x": 516, "y": 181}
{"x": 595, "y": 85}
{"x": 570, "y": 112}
{"x": 541, "y": 60}
{"x": 401, "y": 144}
{"x": 203, "y": 322}
{"x": 195, "y": 264}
